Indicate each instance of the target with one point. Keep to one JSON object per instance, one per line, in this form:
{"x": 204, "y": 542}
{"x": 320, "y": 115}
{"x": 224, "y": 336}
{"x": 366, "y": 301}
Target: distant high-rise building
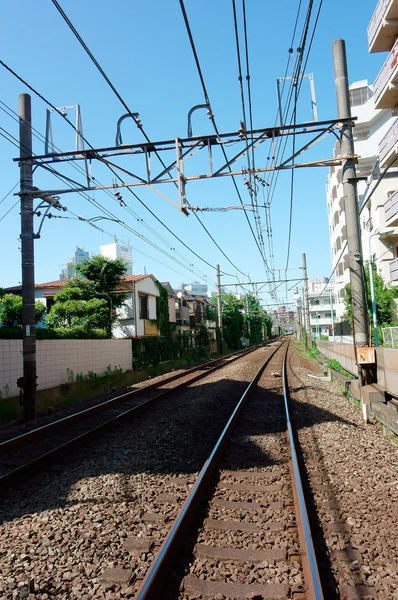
{"x": 196, "y": 289}
{"x": 118, "y": 250}
{"x": 78, "y": 257}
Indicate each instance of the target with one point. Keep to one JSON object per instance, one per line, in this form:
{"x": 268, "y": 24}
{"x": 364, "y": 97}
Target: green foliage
{"x": 70, "y": 309}
{"x": 57, "y": 333}
{"x": 88, "y": 303}
{"x": 384, "y": 296}
{"x": 153, "y": 350}
{"x": 325, "y": 338}
{"x": 105, "y": 275}
{"x": 11, "y": 310}
{"x": 336, "y": 366}
{"x": 162, "y": 310}
{"x": 232, "y": 321}
{"x": 211, "y": 313}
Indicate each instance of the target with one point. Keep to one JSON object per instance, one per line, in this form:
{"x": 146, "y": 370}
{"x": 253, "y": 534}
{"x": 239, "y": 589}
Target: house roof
{"x": 59, "y": 283}
{"x": 168, "y": 287}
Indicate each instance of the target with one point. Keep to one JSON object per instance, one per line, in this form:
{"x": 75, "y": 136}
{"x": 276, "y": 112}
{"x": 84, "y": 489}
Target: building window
{"x": 184, "y": 303}
{"x": 143, "y": 300}
{"x": 49, "y": 303}
{"x": 359, "y": 96}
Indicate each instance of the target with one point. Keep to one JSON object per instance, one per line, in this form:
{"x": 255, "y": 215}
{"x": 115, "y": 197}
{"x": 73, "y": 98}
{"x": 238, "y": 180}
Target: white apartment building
{"x": 371, "y": 127}
{"x": 118, "y": 250}
{"x": 321, "y": 302}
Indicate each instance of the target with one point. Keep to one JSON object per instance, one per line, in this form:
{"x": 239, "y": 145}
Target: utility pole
{"x": 306, "y": 308}
{"x": 219, "y": 311}
{"x": 28, "y": 262}
{"x": 359, "y": 312}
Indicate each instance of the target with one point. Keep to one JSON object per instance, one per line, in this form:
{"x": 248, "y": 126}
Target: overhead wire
{"x": 212, "y": 119}
{"x": 131, "y": 114}
{"x": 104, "y": 210}
{"x": 46, "y": 101}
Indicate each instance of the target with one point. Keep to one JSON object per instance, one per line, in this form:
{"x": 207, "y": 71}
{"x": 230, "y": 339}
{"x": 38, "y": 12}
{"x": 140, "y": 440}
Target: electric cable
{"x": 207, "y": 100}
{"x": 109, "y": 214}
{"x": 116, "y": 174}
{"x": 137, "y": 122}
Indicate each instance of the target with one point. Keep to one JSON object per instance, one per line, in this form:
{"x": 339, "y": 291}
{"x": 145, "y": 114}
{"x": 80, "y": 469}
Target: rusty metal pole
{"x": 28, "y": 261}
{"x": 357, "y": 280}
{"x": 219, "y": 311}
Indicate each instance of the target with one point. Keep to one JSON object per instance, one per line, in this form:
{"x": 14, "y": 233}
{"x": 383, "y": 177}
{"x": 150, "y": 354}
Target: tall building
{"x": 383, "y": 37}
{"x": 69, "y": 271}
{"x": 195, "y": 288}
{"x": 371, "y": 127}
{"x": 118, "y": 250}
{"x": 321, "y": 306}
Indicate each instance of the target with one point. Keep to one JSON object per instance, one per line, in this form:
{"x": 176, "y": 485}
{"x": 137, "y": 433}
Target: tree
{"x": 232, "y": 320}
{"x": 384, "y": 296}
{"x": 105, "y": 277}
{"x": 162, "y": 310}
{"x": 72, "y": 309}
{"x": 11, "y": 310}
{"x": 88, "y": 301}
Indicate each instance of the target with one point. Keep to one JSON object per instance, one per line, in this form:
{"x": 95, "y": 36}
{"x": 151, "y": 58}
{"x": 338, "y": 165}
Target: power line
{"x": 8, "y": 212}
{"x": 131, "y": 114}
{"x": 207, "y": 100}
{"x": 106, "y": 211}
{"x": 116, "y": 174}
{"x": 11, "y": 190}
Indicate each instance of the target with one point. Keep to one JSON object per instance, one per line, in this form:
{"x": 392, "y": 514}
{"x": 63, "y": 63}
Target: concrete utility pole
{"x": 28, "y": 263}
{"x": 219, "y": 311}
{"x": 306, "y": 307}
{"x": 359, "y": 312}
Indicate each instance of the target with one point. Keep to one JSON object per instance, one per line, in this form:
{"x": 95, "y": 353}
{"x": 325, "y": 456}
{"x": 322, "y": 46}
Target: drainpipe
{"x": 135, "y": 310}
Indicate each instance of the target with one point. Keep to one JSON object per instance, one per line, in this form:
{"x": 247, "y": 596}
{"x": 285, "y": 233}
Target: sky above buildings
{"x": 144, "y": 49}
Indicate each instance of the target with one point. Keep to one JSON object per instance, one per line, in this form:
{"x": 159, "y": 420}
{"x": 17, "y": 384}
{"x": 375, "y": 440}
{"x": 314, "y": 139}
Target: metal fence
{"x": 390, "y": 337}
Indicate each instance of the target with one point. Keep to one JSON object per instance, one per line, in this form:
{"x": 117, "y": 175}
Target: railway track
{"x": 247, "y": 507}
{"x": 24, "y": 454}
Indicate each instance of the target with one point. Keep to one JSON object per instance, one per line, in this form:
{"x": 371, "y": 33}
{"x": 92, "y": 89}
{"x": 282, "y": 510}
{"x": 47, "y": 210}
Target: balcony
{"x": 385, "y": 90}
{"x": 394, "y": 270}
{"x": 150, "y": 327}
{"x": 391, "y": 210}
{"x": 383, "y": 26}
{"x": 388, "y": 147}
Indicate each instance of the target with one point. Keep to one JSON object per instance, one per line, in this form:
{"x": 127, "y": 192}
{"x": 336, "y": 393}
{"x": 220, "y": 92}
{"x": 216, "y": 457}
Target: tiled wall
{"x": 54, "y": 357}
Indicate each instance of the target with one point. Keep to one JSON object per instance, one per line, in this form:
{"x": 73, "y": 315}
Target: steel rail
{"x": 28, "y": 468}
{"x": 37, "y": 431}
{"x": 308, "y": 558}
{"x": 152, "y": 586}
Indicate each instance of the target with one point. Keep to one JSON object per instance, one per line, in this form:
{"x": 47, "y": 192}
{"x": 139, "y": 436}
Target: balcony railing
{"x": 388, "y": 145}
{"x": 381, "y": 29}
{"x": 384, "y": 91}
{"x": 391, "y": 210}
{"x": 394, "y": 270}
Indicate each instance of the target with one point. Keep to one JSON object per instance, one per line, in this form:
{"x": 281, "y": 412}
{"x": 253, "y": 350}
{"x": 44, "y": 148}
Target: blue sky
{"x": 144, "y": 49}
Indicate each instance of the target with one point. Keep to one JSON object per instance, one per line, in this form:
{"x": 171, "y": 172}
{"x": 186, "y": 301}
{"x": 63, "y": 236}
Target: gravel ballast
{"x": 70, "y": 531}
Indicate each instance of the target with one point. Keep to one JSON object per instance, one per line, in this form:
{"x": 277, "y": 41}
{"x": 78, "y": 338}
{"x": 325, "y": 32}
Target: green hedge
{"x": 75, "y": 333}
{"x": 152, "y": 351}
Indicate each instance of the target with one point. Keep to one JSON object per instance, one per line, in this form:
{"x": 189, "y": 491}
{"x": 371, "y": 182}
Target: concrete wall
{"x": 54, "y": 357}
{"x": 386, "y": 361}
{"x": 387, "y": 369}
{"x": 344, "y": 353}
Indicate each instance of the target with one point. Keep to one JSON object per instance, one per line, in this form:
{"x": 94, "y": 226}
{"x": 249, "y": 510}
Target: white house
{"x": 137, "y": 316}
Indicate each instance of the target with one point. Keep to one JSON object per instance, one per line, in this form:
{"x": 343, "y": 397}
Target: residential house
{"x": 135, "y": 318}
{"x": 173, "y": 298}
{"x": 182, "y": 310}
